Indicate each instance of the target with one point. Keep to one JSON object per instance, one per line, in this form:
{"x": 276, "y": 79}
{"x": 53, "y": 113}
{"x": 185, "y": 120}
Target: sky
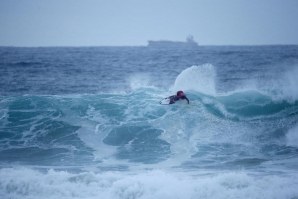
{"x": 134, "y": 22}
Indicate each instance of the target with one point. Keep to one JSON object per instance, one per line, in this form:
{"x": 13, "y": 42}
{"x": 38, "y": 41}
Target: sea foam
{"x": 197, "y": 78}
{"x": 30, "y": 183}
{"x": 292, "y": 136}
{"x": 288, "y": 85}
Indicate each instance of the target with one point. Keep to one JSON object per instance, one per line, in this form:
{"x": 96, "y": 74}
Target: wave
{"x": 28, "y": 183}
{"x": 253, "y": 104}
{"x": 88, "y": 137}
{"x": 131, "y": 127}
{"x": 32, "y": 132}
{"x": 103, "y": 128}
{"x": 203, "y": 79}
{"x": 25, "y": 64}
{"x": 246, "y": 100}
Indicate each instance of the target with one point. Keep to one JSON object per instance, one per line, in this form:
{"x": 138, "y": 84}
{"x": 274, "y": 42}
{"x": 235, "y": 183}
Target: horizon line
{"x": 94, "y": 46}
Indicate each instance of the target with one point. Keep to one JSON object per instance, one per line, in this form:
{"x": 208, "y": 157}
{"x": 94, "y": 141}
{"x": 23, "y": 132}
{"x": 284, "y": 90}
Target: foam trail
{"x": 197, "y": 78}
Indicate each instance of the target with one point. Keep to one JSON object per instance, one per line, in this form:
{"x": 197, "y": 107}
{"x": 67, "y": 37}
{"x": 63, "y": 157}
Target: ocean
{"x": 86, "y": 123}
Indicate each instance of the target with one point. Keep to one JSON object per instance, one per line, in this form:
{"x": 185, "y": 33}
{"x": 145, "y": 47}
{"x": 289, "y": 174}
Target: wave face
{"x": 71, "y": 130}
{"x": 115, "y": 140}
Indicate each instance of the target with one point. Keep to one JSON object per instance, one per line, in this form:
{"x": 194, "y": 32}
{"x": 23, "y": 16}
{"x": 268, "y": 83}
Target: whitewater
{"x": 86, "y": 122}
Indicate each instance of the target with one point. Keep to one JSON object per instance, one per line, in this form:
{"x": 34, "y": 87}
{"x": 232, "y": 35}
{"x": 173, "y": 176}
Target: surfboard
{"x": 165, "y": 101}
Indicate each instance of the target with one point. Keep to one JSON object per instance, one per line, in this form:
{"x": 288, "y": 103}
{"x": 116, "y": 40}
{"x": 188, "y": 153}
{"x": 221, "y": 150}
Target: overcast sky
{"x": 133, "y": 22}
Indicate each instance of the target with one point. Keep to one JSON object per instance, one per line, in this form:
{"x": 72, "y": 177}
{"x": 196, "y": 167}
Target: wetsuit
{"x": 175, "y": 98}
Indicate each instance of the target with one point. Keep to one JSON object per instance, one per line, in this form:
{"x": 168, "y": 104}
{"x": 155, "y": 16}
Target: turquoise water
{"x": 87, "y": 123}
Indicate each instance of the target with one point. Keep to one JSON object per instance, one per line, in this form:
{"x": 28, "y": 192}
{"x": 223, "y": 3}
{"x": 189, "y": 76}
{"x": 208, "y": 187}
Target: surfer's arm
{"x": 184, "y": 97}
{"x": 187, "y": 100}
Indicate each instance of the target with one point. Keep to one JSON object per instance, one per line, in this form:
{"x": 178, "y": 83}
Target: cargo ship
{"x": 189, "y": 43}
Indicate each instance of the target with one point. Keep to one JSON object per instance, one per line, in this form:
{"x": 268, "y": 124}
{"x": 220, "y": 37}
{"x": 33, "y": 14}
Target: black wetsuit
{"x": 175, "y": 98}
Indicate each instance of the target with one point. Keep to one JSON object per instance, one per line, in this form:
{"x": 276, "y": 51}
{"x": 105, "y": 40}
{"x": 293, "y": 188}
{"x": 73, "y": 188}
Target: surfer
{"x": 179, "y": 96}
